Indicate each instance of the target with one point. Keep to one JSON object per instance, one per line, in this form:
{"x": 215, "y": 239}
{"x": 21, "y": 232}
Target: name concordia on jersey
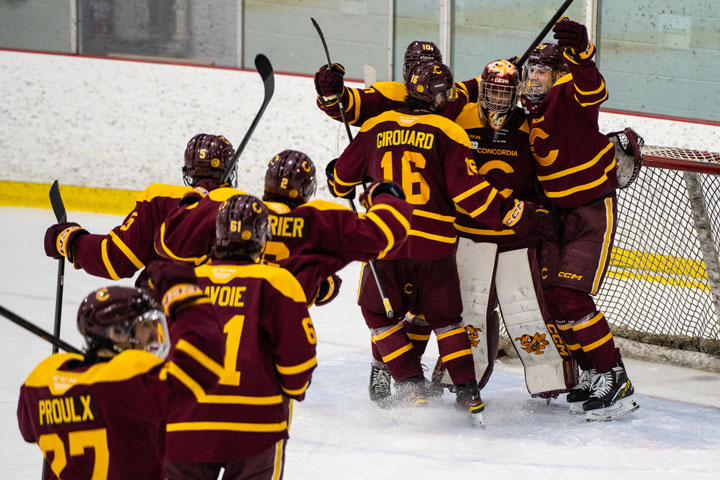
{"x": 534, "y": 343}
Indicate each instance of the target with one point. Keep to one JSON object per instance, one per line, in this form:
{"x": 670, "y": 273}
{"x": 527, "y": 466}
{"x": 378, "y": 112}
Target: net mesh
{"x": 657, "y": 288}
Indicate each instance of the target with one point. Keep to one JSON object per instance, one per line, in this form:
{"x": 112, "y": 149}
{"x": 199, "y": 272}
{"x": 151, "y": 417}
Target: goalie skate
{"x": 611, "y": 396}
{"x": 618, "y": 409}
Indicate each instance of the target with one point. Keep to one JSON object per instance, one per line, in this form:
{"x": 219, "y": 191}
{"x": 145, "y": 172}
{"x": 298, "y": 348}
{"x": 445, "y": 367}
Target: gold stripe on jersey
{"x": 162, "y": 190}
{"x": 124, "y": 366}
{"x": 433, "y": 216}
{"x": 484, "y": 231}
{"x": 295, "y": 369}
{"x": 169, "y": 253}
{"x": 587, "y": 323}
{"x": 344, "y": 184}
{"x": 484, "y": 206}
{"x": 587, "y": 186}
{"x": 396, "y": 91}
{"x": 431, "y": 236}
{"x": 355, "y": 101}
{"x": 587, "y": 104}
{"x": 584, "y": 166}
{"x": 202, "y": 397}
{"x": 228, "y": 426}
{"x": 223, "y": 193}
{"x": 591, "y": 92}
{"x": 106, "y": 260}
{"x": 564, "y": 79}
{"x": 325, "y": 205}
{"x": 281, "y": 279}
{"x": 606, "y": 246}
{"x": 471, "y": 191}
{"x": 295, "y": 392}
{"x": 126, "y": 250}
{"x": 386, "y": 231}
{"x": 451, "y": 129}
{"x": 199, "y": 356}
{"x": 277, "y": 207}
{"x": 398, "y": 216}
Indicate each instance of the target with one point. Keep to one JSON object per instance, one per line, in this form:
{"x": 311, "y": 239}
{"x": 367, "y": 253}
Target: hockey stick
{"x": 61, "y": 216}
{"x": 389, "y": 312}
{"x": 265, "y": 69}
{"x": 520, "y": 61}
{"x": 45, "y": 335}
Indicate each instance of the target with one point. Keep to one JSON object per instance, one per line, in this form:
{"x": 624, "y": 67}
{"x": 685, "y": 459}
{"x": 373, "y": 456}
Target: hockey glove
{"x": 524, "y": 217}
{"x": 173, "y": 285}
{"x": 329, "y": 82}
{"x": 628, "y": 153}
{"x": 59, "y": 239}
{"x": 330, "y": 173}
{"x": 328, "y": 290}
{"x": 378, "y": 188}
{"x": 571, "y": 34}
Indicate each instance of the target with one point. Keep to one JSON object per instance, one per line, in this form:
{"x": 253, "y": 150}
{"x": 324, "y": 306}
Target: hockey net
{"x": 662, "y": 286}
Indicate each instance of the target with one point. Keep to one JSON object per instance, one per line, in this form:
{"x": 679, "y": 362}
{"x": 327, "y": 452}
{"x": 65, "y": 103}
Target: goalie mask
{"x": 418, "y": 52}
{"x": 428, "y": 80}
{"x": 242, "y": 227}
{"x": 628, "y": 153}
{"x": 120, "y": 318}
{"x": 207, "y": 158}
{"x": 499, "y": 85}
{"x": 545, "y": 65}
{"x": 290, "y": 178}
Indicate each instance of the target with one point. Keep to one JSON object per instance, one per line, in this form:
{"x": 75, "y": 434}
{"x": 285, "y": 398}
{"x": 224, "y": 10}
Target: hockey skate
{"x": 468, "y": 400}
{"x": 408, "y": 393}
{"x": 379, "y": 387}
{"x": 580, "y": 393}
{"x": 611, "y": 396}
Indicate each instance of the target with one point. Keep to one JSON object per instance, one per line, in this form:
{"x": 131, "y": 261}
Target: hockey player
{"x": 430, "y": 156}
{"x": 576, "y": 169}
{"x": 241, "y": 425}
{"x": 128, "y": 247}
{"x": 363, "y": 104}
{"x": 103, "y": 414}
{"x": 325, "y": 234}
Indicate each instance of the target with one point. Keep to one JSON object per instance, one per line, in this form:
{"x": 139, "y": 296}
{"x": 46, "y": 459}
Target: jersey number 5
{"x": 412, "y": 182}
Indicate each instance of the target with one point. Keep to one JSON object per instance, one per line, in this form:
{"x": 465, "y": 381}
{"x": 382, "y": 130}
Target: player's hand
{"x": 172, "y": 284}
{"x": 524, "y": 217}
{"x": 328, "y": 290}
{"x": 330, "y": 174}
{"x": 571, "y": 34}
{"x": 378, "y": 188}
{"x": 59, "y": 239}
{"x": 329, "y": 81}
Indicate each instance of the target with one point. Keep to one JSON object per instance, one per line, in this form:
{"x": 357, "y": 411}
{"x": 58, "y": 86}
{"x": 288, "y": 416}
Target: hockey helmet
{"x": 429, "y": 79}
{"x": 546, "y": 58}
{"x": 418, "y": 52}
{"x": 207, "y": 157}
{"x": 499, "y": 86}
{"x": 242, "y": 226}
{"x": 120, "y": 318}
{"x": 291, "y": 175}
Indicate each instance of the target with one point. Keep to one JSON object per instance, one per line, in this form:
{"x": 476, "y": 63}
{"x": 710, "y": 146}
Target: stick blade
{"x": 265, "y": 69}
{"x": 57, "y": 203}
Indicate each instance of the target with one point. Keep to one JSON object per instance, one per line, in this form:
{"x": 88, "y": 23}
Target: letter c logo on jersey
{"x": 544, "y": 273}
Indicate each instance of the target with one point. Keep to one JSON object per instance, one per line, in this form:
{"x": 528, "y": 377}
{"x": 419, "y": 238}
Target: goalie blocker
{"x": 514, "y": 283}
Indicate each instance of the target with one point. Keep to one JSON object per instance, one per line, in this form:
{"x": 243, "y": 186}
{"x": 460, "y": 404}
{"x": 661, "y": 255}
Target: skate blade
{"x": 623, "y": 407}
{"x": 477, "y": 420}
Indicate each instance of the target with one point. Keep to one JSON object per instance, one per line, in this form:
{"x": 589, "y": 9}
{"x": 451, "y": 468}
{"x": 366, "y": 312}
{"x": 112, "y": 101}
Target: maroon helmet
{"x": 499, "y": 86}
{"x": 546, "y": 57}
{"x": 207, "y": 157}
{"x": 242, "y": 226}
{"x": 290, "y": 176}
{"x": 428, "y": 79}
{"x": 118, "y": 318}
{"x": 417, "y": 52}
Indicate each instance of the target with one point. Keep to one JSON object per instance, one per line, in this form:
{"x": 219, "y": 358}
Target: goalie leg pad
{"x": 476, "y": 268}
{"x": 549, "y": 368}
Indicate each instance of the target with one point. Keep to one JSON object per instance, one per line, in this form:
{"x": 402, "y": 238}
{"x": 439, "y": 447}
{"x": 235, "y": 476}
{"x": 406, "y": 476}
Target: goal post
{"x": 662, "y": 286}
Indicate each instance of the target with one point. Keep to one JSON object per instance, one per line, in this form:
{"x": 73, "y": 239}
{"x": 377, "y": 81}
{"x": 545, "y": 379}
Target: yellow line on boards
{"x": 79, "y": 199}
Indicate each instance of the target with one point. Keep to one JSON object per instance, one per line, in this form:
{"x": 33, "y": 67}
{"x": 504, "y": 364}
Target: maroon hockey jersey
{"x": 270, "y": 355}
{"x": 128, "y": 247}
{"x": 107, "y": 420}
{"x": 575, "y": 161}
{"x": 429, "y": 156}
{"x": 503, "y": 157}
{"x": 326, "y": 230}
{"x": 361, "y": 105}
